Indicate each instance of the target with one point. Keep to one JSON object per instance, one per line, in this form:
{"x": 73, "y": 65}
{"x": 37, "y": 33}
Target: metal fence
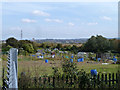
{"x": 111, "y": 80}
{"x": 12, "y": 69}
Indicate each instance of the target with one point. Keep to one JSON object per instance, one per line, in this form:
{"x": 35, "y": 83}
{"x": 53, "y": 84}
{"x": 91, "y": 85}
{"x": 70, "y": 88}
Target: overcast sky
{"x": 70, "y": 20}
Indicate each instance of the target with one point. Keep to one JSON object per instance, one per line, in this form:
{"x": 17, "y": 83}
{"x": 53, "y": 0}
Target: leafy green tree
{"x": 21, "y": 44}
{"x": 12, "y": 42}
{"x": 59, "y": 46}
{"x": 6, "y": 48}
{"x": 74, "y": 49}
{"x": 69, "y": 69}
{"x": 97, "y": 44}
{"x": 28, "y": 47}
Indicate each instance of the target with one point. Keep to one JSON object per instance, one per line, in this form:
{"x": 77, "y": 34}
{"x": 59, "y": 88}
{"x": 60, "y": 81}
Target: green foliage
{"x": 6, "y": 48}
{"x": 69, "y": 69}
{"x": 28, "y": 47}
{"x": 12, "y": 42}
{"x": 59, "y": 46}
{"x": 97, "y": 44}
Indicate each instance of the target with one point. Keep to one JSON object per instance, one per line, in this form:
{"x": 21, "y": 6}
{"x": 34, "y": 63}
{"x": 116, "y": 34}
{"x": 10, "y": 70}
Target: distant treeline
{"x": 63, "y": 41}
{"x": 96, "y": 44}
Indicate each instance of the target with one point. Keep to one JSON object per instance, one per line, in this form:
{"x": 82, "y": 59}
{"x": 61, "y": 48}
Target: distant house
{"x": 37, "y": 53}
{"x": 82, "y": 54}
{"x": 55, "y": 49}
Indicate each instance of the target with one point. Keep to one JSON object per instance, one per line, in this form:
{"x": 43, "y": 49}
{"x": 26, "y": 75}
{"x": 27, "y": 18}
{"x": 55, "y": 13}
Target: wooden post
{"x": 53, "y": 82}
{"x": 75, "y": 84}
{"x": 40, "y": 84}
{"x": 109, "y": 80}
{"x": 66, "y": 79}
{"x": 49, "y": 80}
{"x": 44, "y": 81}
{"x": 98, "y": 79}
{"x": 105, "y": 78}
{"x": 35, "y": 82}
{"x": 63, "y": 80}
{"x": 102, "y": 80}
{"x": 113, "y": 80}
{"x": 71, "y": 81}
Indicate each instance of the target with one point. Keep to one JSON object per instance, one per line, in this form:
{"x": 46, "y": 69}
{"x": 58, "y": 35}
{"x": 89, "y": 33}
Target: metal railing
{"x": 12, "y": 69}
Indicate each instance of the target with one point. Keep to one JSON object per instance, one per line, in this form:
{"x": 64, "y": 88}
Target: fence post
{"x": 71, "y": 81}
{"x": 44, "y": 81}
{"x": 119, "y": 79}
{"x": 12, "y": 80}
{"x": 98, "y": 80}
{"x": 113, "y": 80}
{"x": 105, "y": 78}
{"x": 109, "y": 80}
{"x": 40, "y": 84}
{"x": 63, "y": 80}
{"x": 66, "y": 79}
{"x": 35, "y": 82}
{"x": 49, "y": 80}
{"x": 53, "y": 81}
{"x": 102, "y": 80}
{"x": 75, "y": 81}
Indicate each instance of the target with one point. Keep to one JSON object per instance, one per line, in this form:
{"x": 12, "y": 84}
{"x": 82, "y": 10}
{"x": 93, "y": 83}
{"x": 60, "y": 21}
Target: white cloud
{"x": 57, "y": 20}
{"x": 15, "y": 28}
{"x": 26, "y": 20}
{"x": 71, "y": 24}
{"x": 53, "y": 20}
{"x": 41, "y": 13}
{"x": 107, "y": 18}
{"x": 48, "y": 20}
{"x": 92, "y": 23}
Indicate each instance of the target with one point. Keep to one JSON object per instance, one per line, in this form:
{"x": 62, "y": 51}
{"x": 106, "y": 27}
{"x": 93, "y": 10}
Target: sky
{"x": 59, "y": 20}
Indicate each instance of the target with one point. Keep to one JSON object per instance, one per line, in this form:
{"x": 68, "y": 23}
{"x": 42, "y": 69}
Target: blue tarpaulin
{"x": 72, "y": 57}
{"x": 46, "y": 61}
{"x": 78, "y": 60}
{"x": 99, "y": 59}
{"x": 71, "y": 60}
{"x": 33, "y": 55}
{"x": 82, "y": 60}
{"x": 115, "y": 59}
{"x": 94, "y": 72}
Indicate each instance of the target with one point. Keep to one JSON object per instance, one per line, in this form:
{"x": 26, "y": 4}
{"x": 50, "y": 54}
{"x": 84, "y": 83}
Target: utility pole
{"x": 21, "y": 34}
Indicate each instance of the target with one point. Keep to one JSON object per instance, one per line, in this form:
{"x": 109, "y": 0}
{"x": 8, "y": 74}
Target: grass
{"x": 39, "y": 67}
{"x": 42, "y": 68}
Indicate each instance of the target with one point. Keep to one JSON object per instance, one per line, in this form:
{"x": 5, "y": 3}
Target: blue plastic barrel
{"x": 115, "y": 59}
{"x": 46, "y": 61}
{"x": 99, "y": 59}
{"x": 71, "y": 60}
{"x": 78, "y": 60}
{"x": 93, "y": 72}
{"x": 72, "y": 57}
{"x": 33, "y": 55}
{"x": 82, "y": 60}
{"x": 113, "y": 56}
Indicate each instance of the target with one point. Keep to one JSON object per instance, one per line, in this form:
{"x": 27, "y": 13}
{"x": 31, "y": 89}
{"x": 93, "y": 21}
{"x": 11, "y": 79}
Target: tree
{"x": 28, "y": 47}
{"x": 12, "y": 42}
{"x": 59, "y": 46}
{"x": 6, "y": 48}
{"x": 97, "y": 44}
{"x": 21, "y": 44}
{"x": 69, "y": 69}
